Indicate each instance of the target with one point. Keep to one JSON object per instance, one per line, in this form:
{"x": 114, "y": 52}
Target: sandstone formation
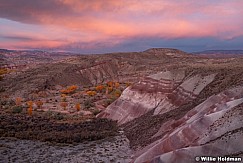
{"x": 213, "y": 127}
{"x": 163, "y": 92}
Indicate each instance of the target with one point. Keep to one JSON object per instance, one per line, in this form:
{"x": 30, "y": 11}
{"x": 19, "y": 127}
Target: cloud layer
{"x": 89, "y": 25}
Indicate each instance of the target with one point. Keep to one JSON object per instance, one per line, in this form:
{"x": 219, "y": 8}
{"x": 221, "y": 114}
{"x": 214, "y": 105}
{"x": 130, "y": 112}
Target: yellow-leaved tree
{"x": 30, "y": 109}
{"x": 78, "y": 106}
{"x": 99, "y": 88}
{"x": 69, "y": 90}
{"x": 91, "y": 93}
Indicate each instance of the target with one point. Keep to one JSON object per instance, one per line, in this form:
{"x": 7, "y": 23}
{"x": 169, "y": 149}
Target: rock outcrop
{"x": 212, "y": 127}
{"x": 163, "y": 92}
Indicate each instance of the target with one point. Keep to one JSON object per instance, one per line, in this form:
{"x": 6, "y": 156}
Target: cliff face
{"x": 176, "y": 134}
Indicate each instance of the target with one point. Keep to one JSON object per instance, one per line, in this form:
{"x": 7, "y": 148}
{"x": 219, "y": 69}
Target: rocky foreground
{"x": 113, "y": 149}
{"x": 39, "y": 139}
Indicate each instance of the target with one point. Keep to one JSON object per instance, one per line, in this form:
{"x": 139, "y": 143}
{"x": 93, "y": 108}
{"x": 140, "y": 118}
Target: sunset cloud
{"x": 86, "y": 24}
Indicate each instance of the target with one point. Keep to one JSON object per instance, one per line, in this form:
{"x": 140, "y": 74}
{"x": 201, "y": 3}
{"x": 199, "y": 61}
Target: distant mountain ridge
{"x": 5, "y": 50}
{"x": 238, "y": 51}
{"x": 220, "y": 53}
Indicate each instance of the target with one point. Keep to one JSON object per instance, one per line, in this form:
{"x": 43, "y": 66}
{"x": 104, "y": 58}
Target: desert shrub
{"x": 42, "y": 94}
{"x": 18, "y": 101}
{"x": 64, "y": 99}
{"x": 3, "y": 71}
{"x": 33, "y": 96}
{"x": 48, "y": 113}
{"x": 17, "y": 109}
{"x": 10, "y": 102}
{"x": 57, "y": 116}
{"x": 7, "y": 102}
{"x": 39, "y": 104}
{"x": 54, "y": 115}
{"x": 110, "y": 83}
{"x": 117, "y": 84}
{"x": 96, "y": 111}
{"x": 128, "y": 84}
{"x": 63, "y": 95}
{"x": 109, "y": 101}
{"x": 1, "y": 88}
{"x": 117, "y": 93}
{"x": 110, "y": 89}
{"x": 64, "y": 105}
{"x": 88, "y": 104}
{"x": 30, "y": 103}
{"x": 3, "y": 102}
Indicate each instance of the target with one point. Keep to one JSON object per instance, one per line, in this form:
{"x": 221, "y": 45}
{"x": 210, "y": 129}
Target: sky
{"x": 100, "y": 26}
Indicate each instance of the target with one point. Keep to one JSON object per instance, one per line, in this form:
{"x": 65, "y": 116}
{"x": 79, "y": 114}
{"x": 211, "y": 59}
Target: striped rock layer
{"x": 213, "y": 128}
{"x": 163, "y": 92}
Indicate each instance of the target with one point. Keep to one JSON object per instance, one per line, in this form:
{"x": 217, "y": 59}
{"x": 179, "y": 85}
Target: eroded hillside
{"x": 172, "y": 106}
{"x": 89, "y": 70}
{"x": 176, "y": 115}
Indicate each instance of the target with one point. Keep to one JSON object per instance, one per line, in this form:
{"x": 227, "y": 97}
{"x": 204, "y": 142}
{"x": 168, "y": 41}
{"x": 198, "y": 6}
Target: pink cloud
{"x": 97, "y": 21}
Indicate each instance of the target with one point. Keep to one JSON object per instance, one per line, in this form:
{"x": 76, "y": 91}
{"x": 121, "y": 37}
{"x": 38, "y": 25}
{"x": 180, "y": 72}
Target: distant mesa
{"x": 162, "y": 50}
{"x": 166, "y": 51}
